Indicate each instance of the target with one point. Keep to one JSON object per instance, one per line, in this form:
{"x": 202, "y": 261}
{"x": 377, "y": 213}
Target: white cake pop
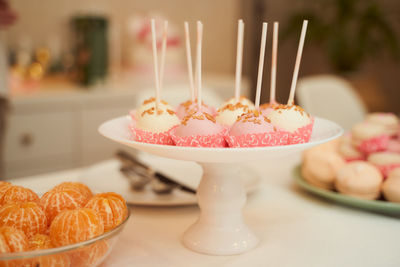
{"x": 157, "y": 121}
{"x": 289, "y": 118}
{"x": 151, "y": 103}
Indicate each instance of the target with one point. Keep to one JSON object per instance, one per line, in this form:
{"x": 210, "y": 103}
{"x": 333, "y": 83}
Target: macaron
{"x": 359, "y": 179}
{"x": 388, "y": 120}
{"x": 369, "y": 137}
{"x": 320, "y": 167}
{"x": 391, "y": 186}
{"x": 385, "y": 161}
{"x": 348, "y": 151}
{"x": 364, "y": 131}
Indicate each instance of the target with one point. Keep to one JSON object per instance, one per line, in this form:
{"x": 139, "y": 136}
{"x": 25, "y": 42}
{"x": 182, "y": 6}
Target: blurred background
{"x": 67, "y": 66}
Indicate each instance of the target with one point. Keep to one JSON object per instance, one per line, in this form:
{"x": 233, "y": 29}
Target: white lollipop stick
{"x": 274, "y": 63}
{"x": 297, "y": 64}
{"x": 198, "y": 62}
{"x": 261, "y": 63}
{"x": 163, "y": 51}
{"x": 189, "y": 60}
{"x": 239, "y": 56}
{"x": 155, "y": 61}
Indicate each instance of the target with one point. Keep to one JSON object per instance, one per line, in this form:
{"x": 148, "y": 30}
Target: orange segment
{"x": 73, "y": 226}
{"x": 12, "y": 240}
{"x": 28, "y": 217}
{"x": 57, "y": 200}
{"x": 83, "y": 189}
{"x": 40, "y": 241}
{"x": 19, "y": 194}
{"x": 111, "y": 208}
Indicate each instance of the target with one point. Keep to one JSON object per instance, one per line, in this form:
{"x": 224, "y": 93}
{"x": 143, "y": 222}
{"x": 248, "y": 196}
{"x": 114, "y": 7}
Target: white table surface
{"x": 295, "y": 228}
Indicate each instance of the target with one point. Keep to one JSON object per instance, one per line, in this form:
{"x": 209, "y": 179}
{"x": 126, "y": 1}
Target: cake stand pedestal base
{"x": 220, "y": 229}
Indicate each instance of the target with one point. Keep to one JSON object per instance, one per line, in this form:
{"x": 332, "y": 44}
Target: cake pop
{"x": 148, "y": 104}
{"x": 253, "y": 129}
{"x": 292, "y": 118}
{"x": 229, "y": 112}
{"x": 191, "y": 105}
{"x": 152, "y": 125}
{"x": 199, "y": 128}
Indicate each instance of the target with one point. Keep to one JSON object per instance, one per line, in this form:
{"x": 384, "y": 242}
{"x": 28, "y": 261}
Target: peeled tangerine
{"x": 111, "y": 208}
{"x": 82, "y": 188}
{"x": 90, "y": 255}
{"x": 66, "y": 196}
{"x": 28, "y": 217}
{"x": 4, "y": 186}
{"x": 41, "y": 241}
{"x": 12, "y": 240}
{"x": 16, "y": 194}
{"x": 73, "y": 226}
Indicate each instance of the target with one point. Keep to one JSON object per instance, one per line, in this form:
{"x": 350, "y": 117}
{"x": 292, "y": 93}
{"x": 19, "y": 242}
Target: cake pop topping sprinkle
{"x": 253, "y": 116}
{"x": 203, "y": 116}
{"x": 171, "y": 112}
{"x": 152, "y": 99}
{"x": 233, "y": 107}
{"x": 281, "y": 107}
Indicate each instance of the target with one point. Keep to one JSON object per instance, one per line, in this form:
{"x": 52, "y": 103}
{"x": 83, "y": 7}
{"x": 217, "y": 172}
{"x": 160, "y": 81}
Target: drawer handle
{"x": 26, "y": 140}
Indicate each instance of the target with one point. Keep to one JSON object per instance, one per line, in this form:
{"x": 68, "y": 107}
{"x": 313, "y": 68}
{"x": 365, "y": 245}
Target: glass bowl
{"x": 91, "y": 252}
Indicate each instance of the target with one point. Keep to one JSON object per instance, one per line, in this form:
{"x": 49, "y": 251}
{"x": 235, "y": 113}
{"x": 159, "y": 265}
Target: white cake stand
{"x": 220, "y": 229}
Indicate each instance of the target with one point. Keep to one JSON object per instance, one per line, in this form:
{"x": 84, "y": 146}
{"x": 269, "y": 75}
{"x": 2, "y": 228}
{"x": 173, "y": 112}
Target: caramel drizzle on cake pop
{"x": 253, "y": 116}
{"x": 279, "y": 108}
{"x": 233, "y": 107}
{"x": 151, "y": 111}
{"x": 203, "y": 116}
{"x": 152, "y": 99}
{"x": 188, "y": 103}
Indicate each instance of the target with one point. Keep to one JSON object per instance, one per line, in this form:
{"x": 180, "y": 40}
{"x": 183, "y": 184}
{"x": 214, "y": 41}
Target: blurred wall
{"x": 378, "y": 80}
{"x": 40, "y": 20}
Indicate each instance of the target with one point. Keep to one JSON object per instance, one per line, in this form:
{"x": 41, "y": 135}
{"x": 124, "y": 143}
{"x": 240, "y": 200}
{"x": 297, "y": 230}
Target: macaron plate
{"x": 378, "y": 206}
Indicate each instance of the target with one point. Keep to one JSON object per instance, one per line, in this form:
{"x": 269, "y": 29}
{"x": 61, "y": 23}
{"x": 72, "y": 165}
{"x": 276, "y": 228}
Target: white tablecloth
{"x": 295, "y": 228}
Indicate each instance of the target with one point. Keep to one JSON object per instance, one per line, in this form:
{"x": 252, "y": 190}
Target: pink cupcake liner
{"x": 375, "y": 144}
{"x": 301, "y": 135}
{"x": 132, "y": 113}
{"x": 386, "y": 169}
{"x": 215, "y": 140}
{"x": 163, "y": 138}
{"x": 277, "y": 138}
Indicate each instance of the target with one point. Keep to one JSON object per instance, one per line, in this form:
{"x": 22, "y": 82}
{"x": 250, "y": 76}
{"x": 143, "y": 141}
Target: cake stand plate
{"x": 220, "y": 229}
